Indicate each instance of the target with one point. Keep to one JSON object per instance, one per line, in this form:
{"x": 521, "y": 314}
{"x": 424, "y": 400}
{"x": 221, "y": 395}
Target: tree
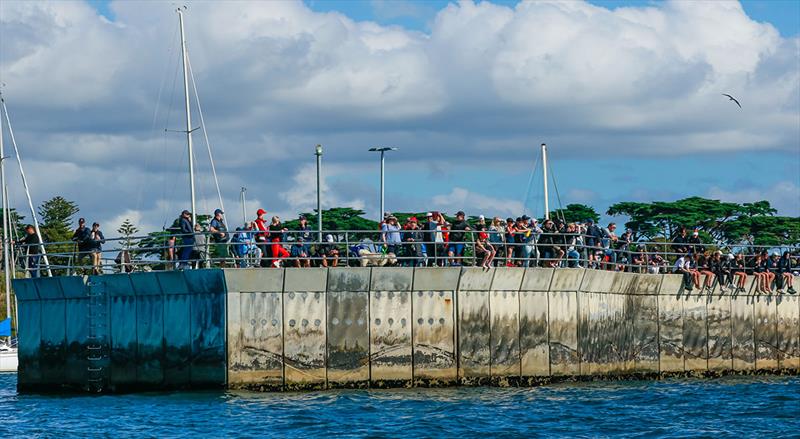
{"x": 17, "y": 224}
{"x": 127, "y": 230}
{"x": 574, "y": 213}
{"x": 717, "y": 221}
{"x": 56, "y": 214}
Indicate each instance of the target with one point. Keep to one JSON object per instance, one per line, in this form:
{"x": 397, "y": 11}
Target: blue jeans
{"x": 33, "y": 265}
{"x": 573, "y": 258}
{"x": 185, "y": 254}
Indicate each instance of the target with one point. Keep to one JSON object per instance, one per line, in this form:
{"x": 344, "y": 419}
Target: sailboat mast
{"x": 6, "y": 241}
{"x": 188, "y": 116}
{"x": 544, "y": 167}
{"x": 27, "y": 191}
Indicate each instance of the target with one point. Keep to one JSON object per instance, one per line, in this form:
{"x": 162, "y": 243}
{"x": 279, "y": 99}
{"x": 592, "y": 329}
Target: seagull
{"x": 733, "y": 99}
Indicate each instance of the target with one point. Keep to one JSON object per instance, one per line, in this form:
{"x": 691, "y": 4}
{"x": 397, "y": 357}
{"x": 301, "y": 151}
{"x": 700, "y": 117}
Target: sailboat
{"x": 8, "y": 346}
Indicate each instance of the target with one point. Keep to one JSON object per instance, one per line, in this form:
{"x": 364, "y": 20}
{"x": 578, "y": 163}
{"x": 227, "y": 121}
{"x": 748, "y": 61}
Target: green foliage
{"x": 337, "y": 218}
{"x": 17, "y": 223}
{"x": 716, "y": 221}
{"x": 576, "y": 213}
{"x": 56, "y": 214}
{"x": 127, "y": 230}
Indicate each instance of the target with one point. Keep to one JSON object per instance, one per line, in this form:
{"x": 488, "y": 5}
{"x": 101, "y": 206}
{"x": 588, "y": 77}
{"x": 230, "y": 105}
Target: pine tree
{"x": 127, "y": 230}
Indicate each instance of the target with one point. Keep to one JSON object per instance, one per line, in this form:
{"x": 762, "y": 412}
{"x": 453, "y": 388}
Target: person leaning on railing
{"x": 81, "y": 238}
{"x": 219, "y": 236}
{"x": 33, "y": 245}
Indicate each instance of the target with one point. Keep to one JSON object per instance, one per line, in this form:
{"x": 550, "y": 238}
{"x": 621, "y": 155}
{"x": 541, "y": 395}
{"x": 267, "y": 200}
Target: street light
{"x": 382, "y": 150}
{"x": 318, "y": 153}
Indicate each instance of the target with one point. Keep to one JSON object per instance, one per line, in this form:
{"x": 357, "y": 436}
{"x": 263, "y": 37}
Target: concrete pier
{"x": 293, "y": 329}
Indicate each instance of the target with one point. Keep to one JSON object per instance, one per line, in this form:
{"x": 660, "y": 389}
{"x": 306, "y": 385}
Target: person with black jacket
{"x": 96, "y": 241}
{"x": 187, "y": 239}
{"x": 784, "y": 276}
{"x": 34, "y": 250}
{"x": 81, "y": 238}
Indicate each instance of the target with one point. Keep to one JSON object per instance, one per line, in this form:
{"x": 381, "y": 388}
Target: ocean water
{"x": 766, "y": 407}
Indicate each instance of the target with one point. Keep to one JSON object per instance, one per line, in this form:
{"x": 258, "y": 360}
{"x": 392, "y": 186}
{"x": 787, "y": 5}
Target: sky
{"x": 626, "y": 94}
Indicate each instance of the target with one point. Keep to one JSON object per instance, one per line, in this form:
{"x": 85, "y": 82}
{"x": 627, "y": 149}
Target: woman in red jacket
{"x": 260, "y": 224}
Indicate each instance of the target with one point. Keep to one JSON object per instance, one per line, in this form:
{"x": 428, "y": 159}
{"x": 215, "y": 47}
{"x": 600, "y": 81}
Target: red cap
{"x": 483, "y": 235}
{"x": 261, "y": 212}
{"x": 413, "y": 218}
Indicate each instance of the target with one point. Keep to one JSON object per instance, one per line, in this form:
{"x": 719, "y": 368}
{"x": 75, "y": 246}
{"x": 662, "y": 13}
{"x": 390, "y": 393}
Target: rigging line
{"x": 558, "y": 196}
{"x": 149, "y": 156}
{"x": 25, "y": 184}
{"x": 205, "y": 135}
{"x": 530, "y": 182}
{"x": 164, "y": 144}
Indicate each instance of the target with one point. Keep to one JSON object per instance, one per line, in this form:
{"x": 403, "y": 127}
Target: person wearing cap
{"x": 480, "y": 225}
{"x": 431, "y": 228}
{"x": 390, "y": 235}
{"x": 81, "y": 238}
{"x": 484, "y": 251}
{"x": 695, "y": 244}
{"x": 301, "y": 251}
{"x": 592, "y": 242}
{"x": 219, "y": 234}
{"x": 457, "y": 239}
{"x": 260, "y": 224}
{"x": 187, "y": 239}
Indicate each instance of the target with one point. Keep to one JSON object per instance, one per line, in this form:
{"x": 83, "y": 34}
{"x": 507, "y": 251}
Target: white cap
{"x": 480, "y": 217}
{"x": 329, "y": 238}
{"x": 428, "y": 214}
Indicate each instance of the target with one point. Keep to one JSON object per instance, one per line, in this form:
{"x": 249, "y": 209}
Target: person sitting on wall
{"x": 682, "y": 267}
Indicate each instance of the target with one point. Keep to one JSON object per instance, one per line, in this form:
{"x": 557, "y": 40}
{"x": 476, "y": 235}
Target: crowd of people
{"x": 435, "y": 241}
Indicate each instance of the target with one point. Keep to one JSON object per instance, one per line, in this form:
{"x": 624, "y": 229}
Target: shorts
{"x": 458, "y": 249}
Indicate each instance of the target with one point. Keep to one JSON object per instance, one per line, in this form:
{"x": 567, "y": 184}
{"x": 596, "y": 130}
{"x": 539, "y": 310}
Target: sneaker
{"x": 791, "y": 290}
{"x": 276, "y": 264}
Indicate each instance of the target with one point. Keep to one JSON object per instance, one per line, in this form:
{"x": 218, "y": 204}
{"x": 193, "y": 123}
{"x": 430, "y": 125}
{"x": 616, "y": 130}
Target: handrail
{"x": 416, "y": 247}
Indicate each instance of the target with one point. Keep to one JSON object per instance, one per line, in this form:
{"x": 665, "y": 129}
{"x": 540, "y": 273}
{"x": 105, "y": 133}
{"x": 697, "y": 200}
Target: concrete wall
{"x": 266, "y": 329}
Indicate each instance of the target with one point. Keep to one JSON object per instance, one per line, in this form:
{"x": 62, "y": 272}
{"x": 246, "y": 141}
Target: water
{"x": 745, "y": 407}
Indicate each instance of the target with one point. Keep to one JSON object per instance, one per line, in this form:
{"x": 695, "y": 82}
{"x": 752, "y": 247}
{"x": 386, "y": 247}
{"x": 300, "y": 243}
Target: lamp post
{"x": 318, "y": 153}
{"x": 244, "y": 206}
{"x": 382, "y": 150}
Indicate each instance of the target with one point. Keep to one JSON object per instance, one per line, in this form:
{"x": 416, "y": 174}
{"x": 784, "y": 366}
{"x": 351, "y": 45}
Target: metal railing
{"x": 416, "y": 247}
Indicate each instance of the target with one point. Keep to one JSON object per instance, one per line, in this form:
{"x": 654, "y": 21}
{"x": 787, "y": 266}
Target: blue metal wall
{"x": 159, "y": 331}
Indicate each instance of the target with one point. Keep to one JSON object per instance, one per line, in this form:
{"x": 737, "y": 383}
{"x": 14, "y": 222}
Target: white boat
{"x": 8, "y": 358}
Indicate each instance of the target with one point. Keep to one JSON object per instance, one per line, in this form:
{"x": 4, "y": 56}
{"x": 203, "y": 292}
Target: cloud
{"x": 783, "y": 196}
{"x": 91, "y": 98}
{"x": 475, "y": 204}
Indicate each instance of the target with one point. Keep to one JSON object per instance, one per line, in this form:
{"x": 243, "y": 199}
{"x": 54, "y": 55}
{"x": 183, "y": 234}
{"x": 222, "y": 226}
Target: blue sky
{"x": 783, "y": 14}
{"x": 629, "y": 102}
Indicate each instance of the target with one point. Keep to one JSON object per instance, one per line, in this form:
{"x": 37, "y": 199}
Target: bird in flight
{"x": 733, "y": 99}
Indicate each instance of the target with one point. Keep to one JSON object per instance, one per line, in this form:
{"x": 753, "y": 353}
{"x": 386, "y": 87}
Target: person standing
{"x": 96, "y": 241}
{"x": 458, "y": 239}
{"x": 260, "y": 224}
{"x": 219, "y": 235}
{"x": 34, "y": 250}
{"x": 81, "y": 238}
{"x": 187, "y": 239}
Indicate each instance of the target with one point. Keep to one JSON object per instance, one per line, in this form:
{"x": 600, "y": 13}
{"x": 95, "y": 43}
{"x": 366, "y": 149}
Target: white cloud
{"x": 482, "y": 85}
{"x": 302, "y": 195}
{"x": 475, "y": 204}
{"x": 783, "y": 196}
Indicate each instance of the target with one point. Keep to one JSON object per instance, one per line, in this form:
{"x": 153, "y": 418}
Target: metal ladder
{"x": 97, "y": 340}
